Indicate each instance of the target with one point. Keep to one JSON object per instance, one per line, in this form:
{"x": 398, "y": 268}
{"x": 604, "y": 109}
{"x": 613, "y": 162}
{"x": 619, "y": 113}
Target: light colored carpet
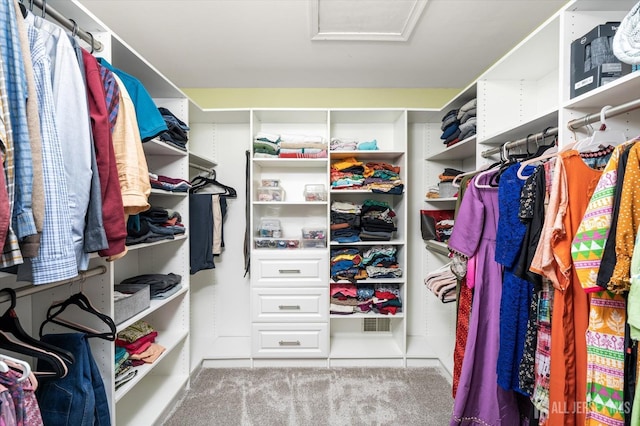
{"x": 316, "y": 396}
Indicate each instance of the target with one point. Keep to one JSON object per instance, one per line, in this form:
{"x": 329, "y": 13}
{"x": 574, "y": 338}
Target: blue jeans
{"x": 79, "y": 398}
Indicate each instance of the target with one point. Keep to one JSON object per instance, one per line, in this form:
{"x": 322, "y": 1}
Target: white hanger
{"x": 601, "y": 138}
{"x": 23, "y": 365}
{"x": 481, "y": 174}
{"x": 549, "y": 153}
{"x": 486, "y": 172}
{"x": 460, "y": 176}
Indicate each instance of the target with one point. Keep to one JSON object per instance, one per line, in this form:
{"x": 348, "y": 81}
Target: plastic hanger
{"x": 602, "y": 137}
{"x": 10, "y": 323}
{"x": 23, "y": 366}
{"x": 23, "y": 10}
{"x": 542, "y": 148}
{"x": 490, "y": 170}
{"x": 57, "y": 367}
{"x": 509, "y": 160}
{"x": 486, "y": 166}
{"x": 81, "y": 301}
{"x": 455, "y": 182}
{"x": 550, "y": 152}
{"x": 200, "y": 182}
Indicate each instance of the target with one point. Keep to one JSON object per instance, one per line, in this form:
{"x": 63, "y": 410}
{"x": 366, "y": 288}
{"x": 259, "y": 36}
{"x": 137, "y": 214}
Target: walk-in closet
{"x": 193, "y": 252}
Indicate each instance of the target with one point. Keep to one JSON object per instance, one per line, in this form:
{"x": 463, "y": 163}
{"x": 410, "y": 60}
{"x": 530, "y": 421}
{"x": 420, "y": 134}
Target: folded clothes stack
{"x": 161, "y": 286}
{"x": 450, "y": 127}
{"x": 459, "y": 124}
{"x": 442, "y": 283}
{"x": 467, "y": 118}
{"x": 135, "y": 345}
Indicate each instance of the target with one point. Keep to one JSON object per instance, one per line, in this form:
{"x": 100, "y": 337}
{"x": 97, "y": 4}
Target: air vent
{"x": 365, "y": 20}
{"x": 376, "y": 325}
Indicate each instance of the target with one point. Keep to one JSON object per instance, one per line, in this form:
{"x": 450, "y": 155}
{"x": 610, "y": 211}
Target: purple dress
{"x": 479, "y": 400}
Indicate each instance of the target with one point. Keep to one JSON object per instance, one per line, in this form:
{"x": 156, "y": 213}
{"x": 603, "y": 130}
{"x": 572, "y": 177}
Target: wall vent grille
{"x": 376, "y": 325}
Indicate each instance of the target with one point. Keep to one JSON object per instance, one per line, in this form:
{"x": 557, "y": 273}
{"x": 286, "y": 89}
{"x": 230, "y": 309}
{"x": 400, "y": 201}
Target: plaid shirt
{"x": 11, "y": 255}
{"x": 74, "y": 128}
{"x": 112, "y": 94}
{"x": 56, "y": 259}
{"x": 16, "y": 86}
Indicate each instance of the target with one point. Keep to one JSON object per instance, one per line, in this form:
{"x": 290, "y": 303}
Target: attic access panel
{"x": 366, "y": 20}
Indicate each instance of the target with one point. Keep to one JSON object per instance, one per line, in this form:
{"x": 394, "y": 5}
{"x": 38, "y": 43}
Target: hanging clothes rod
{"x": 28, "y": 290}
{"x": 204, "y": 169}
{"x": 68, "y": 24}
{"x": 553, "y": 131}
{"x": 595, "y": 117}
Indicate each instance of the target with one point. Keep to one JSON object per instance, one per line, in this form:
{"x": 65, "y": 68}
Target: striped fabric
{"x": 588, "y": 244}
{"x": 56, "y": 259}
{"x": 605, "y": 359}
{"x": 112, "y": 94}
{"x": 11, "y": 253}
{"x": 16, "y": 85}
{"x": 540, "y": 397}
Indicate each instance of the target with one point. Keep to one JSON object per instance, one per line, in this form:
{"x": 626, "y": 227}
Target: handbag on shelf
{"x": 432, "y": 226}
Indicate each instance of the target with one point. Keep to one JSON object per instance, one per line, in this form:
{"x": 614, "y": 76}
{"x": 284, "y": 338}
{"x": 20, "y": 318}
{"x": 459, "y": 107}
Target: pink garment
{"x": 471, "y": 272}
{"x": 544, "y": 261}
{"x": 134, "y": 346}
{"x": 348, "y": 290}
{"x": 7, "y": 408}
{"x": 33, "y": 417}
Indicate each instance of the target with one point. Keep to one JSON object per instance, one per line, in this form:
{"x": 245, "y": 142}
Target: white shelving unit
{"x": 354, "y": 336}
{"x": 525, "y": 92}
{"x": 155, "y": 388}
{"x": 224, "y": 317}
{"x": 289, "y": 295}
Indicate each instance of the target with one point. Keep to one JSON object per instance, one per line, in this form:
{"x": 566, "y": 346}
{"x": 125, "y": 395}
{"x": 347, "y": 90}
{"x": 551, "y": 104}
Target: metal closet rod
{"x": 595, "y": 117}
{"x": 196, "y": 166}
{"x": 553, "y": 131}
{"x": 572, "y": 125}
{"x": 28, "y": 290}
{"x": 68, "y": 24}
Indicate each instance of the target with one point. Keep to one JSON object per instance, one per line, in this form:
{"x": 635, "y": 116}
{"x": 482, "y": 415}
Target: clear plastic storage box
{"x": 314, "y": 237}
{"x": 276, "y": 243}
{"x": 268, "y": 193}
{"x": 315, "y": 192}
{"x": 269, "y": 228}
{"x": 270, "y": 183}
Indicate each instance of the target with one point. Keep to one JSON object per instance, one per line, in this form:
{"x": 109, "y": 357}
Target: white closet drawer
{"x": 290, "y": 340}
{"x": 283, "y": 304}
{"x": 299, "y": 269}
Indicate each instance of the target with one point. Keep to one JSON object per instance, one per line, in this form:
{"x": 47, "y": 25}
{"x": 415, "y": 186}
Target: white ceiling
{"x": 268, "y": 43}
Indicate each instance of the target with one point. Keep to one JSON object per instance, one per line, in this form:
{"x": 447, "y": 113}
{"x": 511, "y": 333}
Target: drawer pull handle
{"x": 289, "y": 343}
{"x": 289, "y": 307}
{"x": 289, "y": 271}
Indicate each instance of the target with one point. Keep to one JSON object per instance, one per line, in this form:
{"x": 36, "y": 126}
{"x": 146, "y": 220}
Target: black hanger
{"x": 200, "y": 182}
{"x": 80, "y": 300}
{"x": 508, "y": 160}
{"x": 10, "y": 323}
{"x": 23, "y": 10}
{"x": 542, "y": 148}
{"x": 56, "y": 366}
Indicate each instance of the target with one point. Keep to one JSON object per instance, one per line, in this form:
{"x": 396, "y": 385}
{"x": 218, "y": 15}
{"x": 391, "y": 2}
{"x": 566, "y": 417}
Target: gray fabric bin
{"x": 125, "y": 308}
